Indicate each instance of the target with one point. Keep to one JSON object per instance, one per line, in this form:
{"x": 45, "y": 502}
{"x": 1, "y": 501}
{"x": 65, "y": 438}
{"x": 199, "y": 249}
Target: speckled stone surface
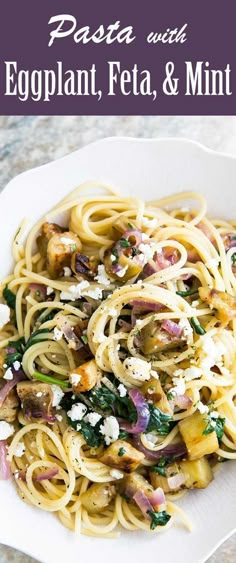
{"x": 26, "y": 142}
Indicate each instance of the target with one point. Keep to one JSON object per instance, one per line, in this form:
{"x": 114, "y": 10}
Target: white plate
{"x": 148, "y": 169}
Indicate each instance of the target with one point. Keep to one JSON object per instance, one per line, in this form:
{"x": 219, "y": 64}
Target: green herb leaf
{"x": 233, "y": 258}
{"x": 197, "y": 326}
{"x": 51, "y": 380}
{"x": 215, "y": 425}
{"x": 84, "y": 338}
{"x": 187, "y": 293}
{"x": 19, "y": 346}
{"x": 102, "y": 398}
{"x": 159, "y": 421}
{"x": 130, "y": 226}
{"x": 158, "y": 518}
{"x": 160, "y": 467}
{"x": 9, "y": 297}
{"x": 124, "y": 243}
{"x": 115, "y": 253}
{"x": 91, "y": 433}
{"x": 121, "y": 452}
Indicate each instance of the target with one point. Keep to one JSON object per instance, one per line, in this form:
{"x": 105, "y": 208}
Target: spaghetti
{"x": 118, "y": 359}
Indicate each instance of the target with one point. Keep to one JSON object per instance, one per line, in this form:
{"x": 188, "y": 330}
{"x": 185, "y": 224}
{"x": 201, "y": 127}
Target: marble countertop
{"x": 26, "y": 142}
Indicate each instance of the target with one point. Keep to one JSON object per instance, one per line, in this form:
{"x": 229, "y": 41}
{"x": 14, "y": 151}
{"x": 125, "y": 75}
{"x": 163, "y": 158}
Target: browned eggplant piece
{"x": 48, "y": 230}
{"x": 129, "y": 267}
{"x": 223, "y": 303}
{"x": 98, "y": 497}
{"x": 136, "y": 482}
{"x": 2, "y": 361}
{"x": 84, "y": 266}
{"x": 85, "y": 377}
{"x": 9, "y": 408}
{"x": 59, "y": 252}
{"x": 152, "y": 391}
{"x": 154, "y": 339}
{"x": 122, "y": 455}
{"x": 36, "y": 400}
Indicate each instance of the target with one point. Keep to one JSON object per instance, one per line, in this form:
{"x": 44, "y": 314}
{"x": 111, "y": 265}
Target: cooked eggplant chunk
{"x": 198, "y": 444}
{"x": 98, "y": 497}
{"x": 85, "y": 377}
{"x": 48, "y": 230}
{"x": 195, "y": 474}
{"x": 223, "y": 303}
{"x": 9, "y": 408}
{"x": 127, "y": 267}
{"x": 135, "y": 482}
{"x": 36, "y": 400}
{"x": 84, "y": 266}
{"x": 152, "y": 390}
{"x": 122, "y": 455}
{"x": 154, "y": 339}
{"x": 59, "y": 252}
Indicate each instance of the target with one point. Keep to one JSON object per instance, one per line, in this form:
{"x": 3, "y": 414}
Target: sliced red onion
{"x": 134, "y": 236}
{"x": 172, "y": 328}
{"x": 182, "y": 401}
{"x": 124, "y": 325}
{"x": 39, "y": 287}
{"x": 48, "y": 474}
{"x": 176, "y": 481}
{"x": 161, "y": 261}
{"x": 10, "y": 350}
{"x": 173, "y": 450}
{"x": 5, "y": 471}
{"x": 193, "y": 256}
{"x": 146, "y": 305}
{"x": 149, "y": 269}
{"x": 157, "y": 498}
{"x": 143, "y": 502}
{"x": 142, "y": 411}
{"x": 17, "y": 376}
{"x": 70, "y": 335}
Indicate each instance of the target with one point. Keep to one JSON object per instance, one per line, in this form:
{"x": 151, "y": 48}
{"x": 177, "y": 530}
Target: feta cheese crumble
{"x": 74, "y": 291}
{"x": 57, "y": 334}
{"x": 202, "y": 408}
{"x": 77, "y": 411}
{"x": 39, "y": 394}
{"x": 122, "y": 390}
{"x": 110, "y": 430}
{"x": 179, "y": 386}
{"x": 75, "y": 378}
{"x": 57, "y": 395}
{"x": 211, "y": 352}
{"x": 59, "y": 417}
{"x": 19, "y": 449}
{"x": 16, "y": 365}
{"x": 92, "y": 418}
{"x": 137, "y": 368}
{"x": 187, "y": 330}
{"x": 67, "y": 272}
{"x": 49, "y": 290}
{"x": 122, "y": 272}
{"x": 102, "y": 276}
{"x": 116, "y": 474}
{"x": 8, "y": 375}
{"x": 4, "y": 315}
{"x": 6, "y": 430}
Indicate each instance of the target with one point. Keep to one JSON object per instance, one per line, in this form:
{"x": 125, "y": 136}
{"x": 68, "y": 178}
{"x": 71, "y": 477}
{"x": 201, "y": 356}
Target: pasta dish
{"x": 118, "y": 359}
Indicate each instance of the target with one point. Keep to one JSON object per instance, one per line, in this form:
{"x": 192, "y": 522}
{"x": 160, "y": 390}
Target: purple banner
{"x": 117, "y": 58}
